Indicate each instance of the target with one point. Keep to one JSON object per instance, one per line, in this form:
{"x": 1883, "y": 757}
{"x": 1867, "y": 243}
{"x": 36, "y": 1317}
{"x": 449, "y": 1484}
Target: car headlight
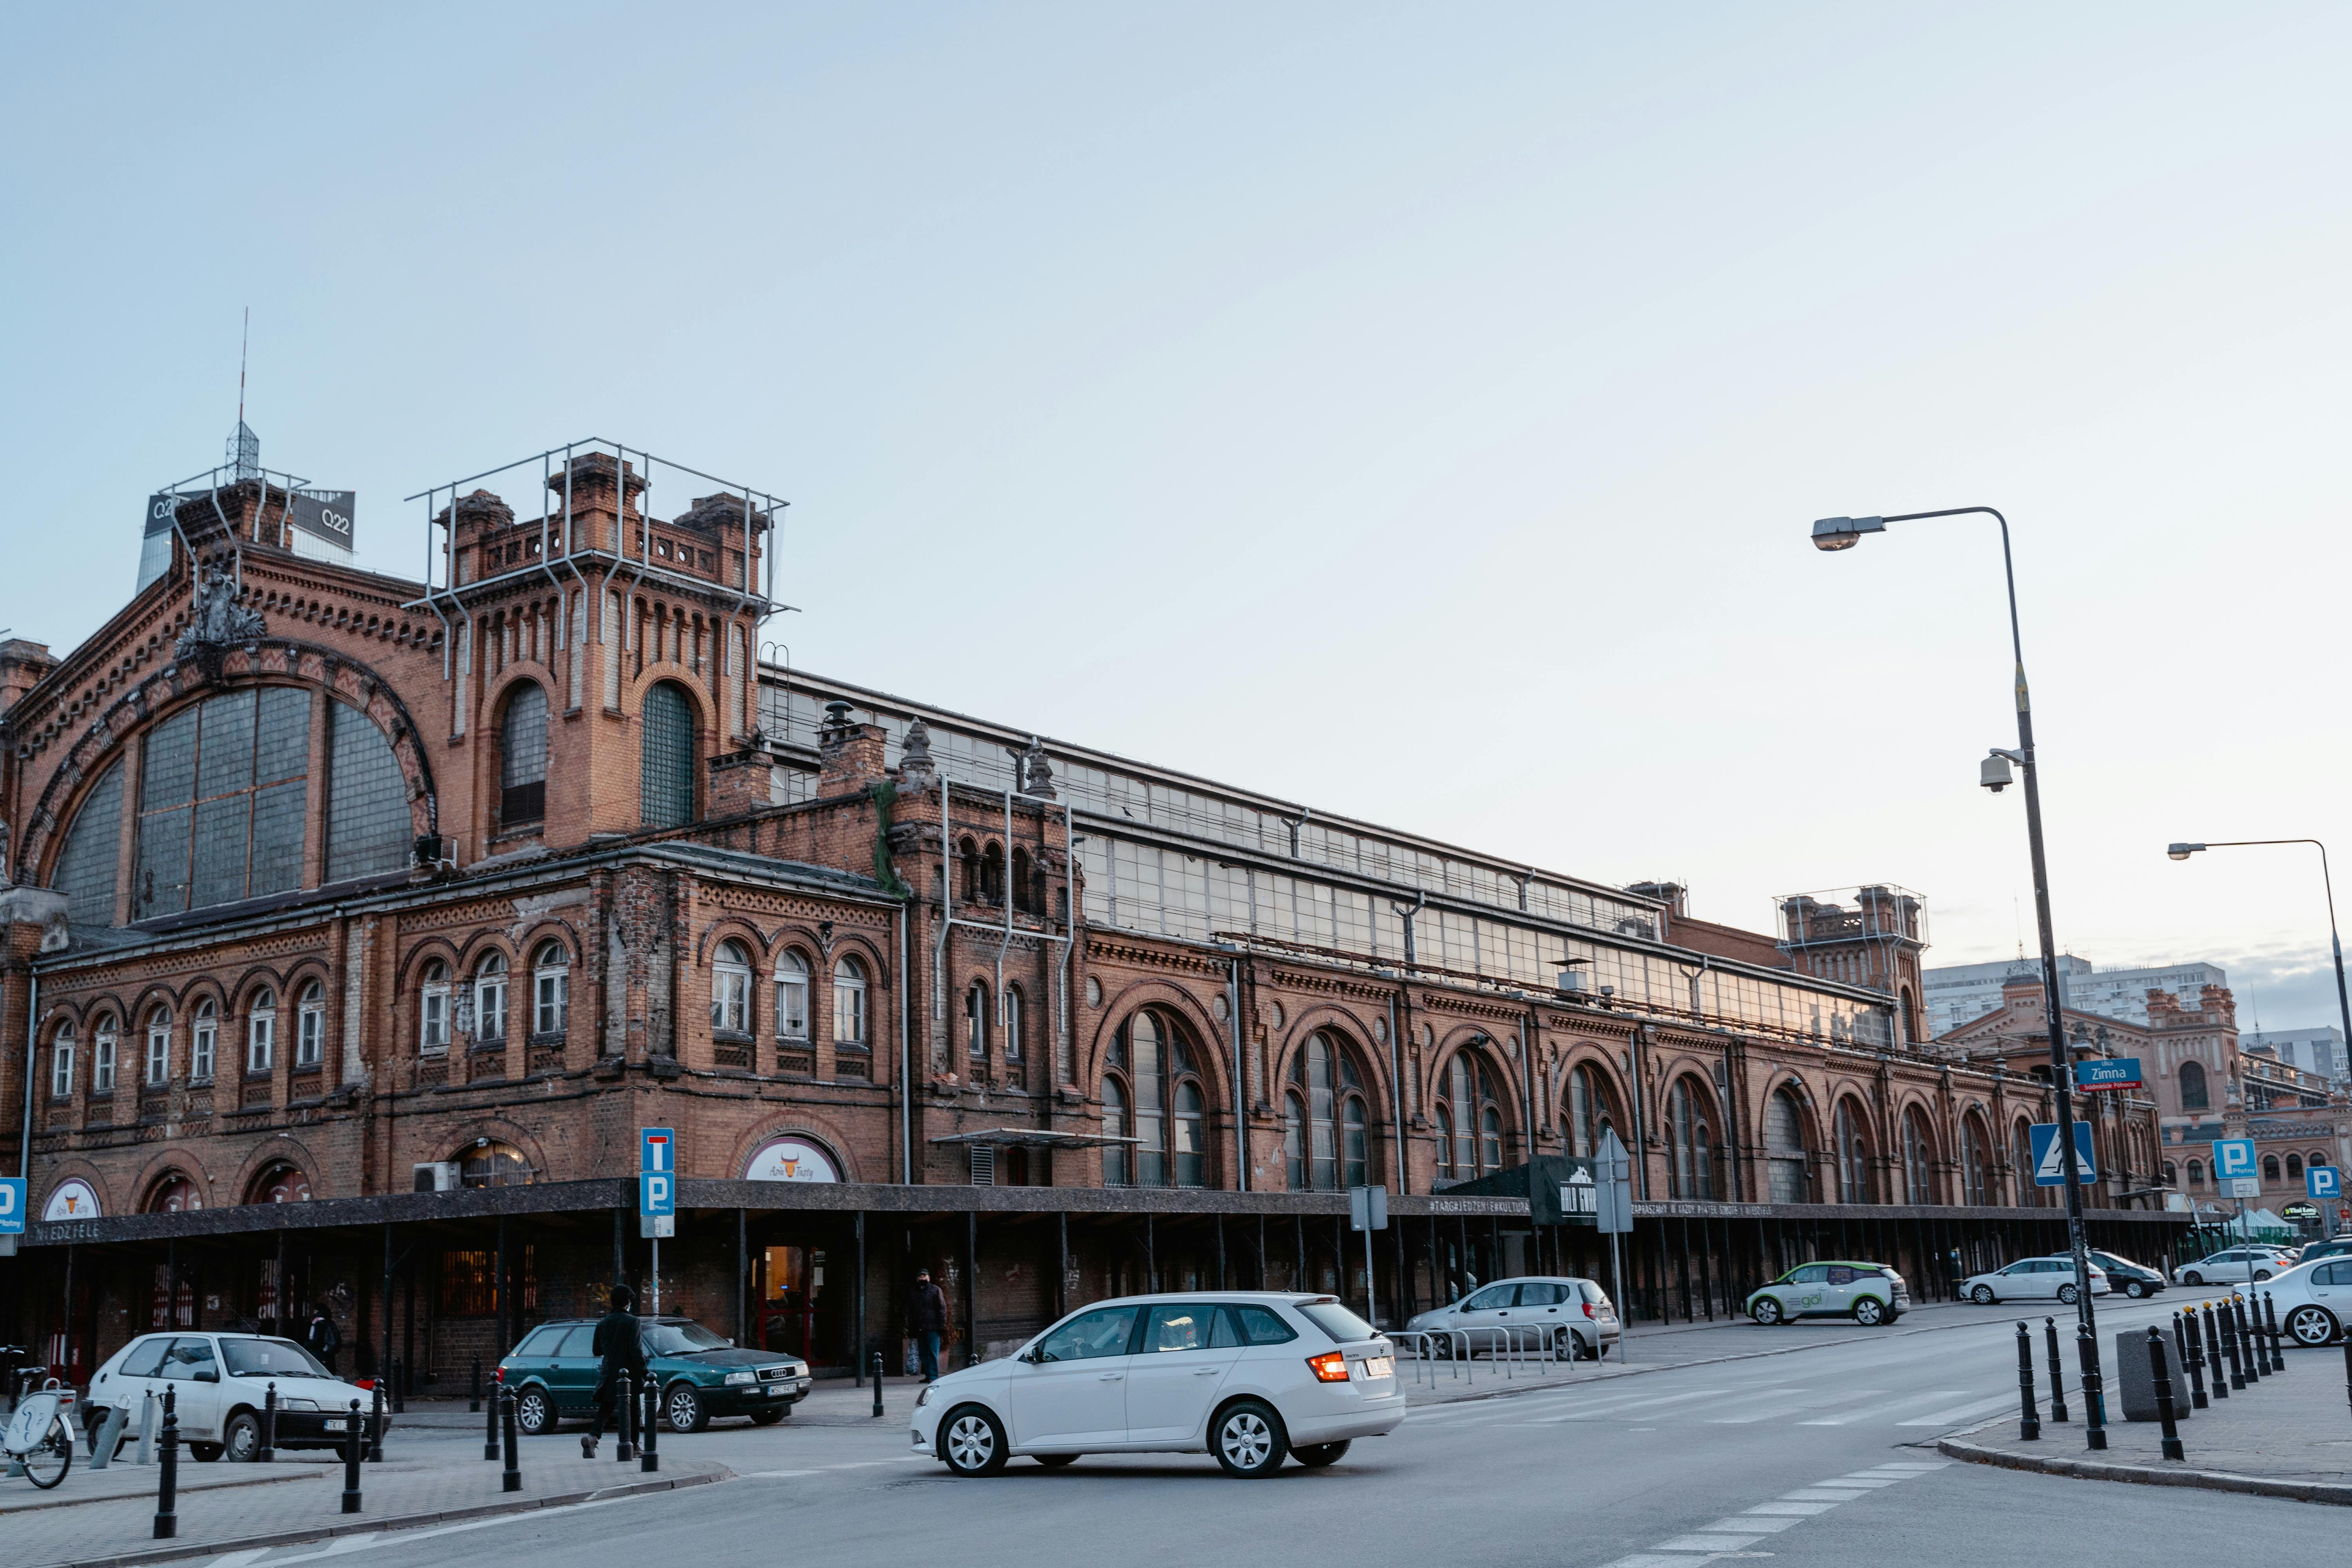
{"x": 923, "y": 1398}
{"x": 742, "y": 1377}
{"x": 298, "y": 1405}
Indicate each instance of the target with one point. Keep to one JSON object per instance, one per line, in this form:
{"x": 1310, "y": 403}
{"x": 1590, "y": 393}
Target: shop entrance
{"x": 790, "y": 1288}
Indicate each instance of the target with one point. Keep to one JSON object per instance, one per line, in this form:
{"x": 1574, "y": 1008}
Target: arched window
{"x": 1020, "y": 899}
{"x": 849, "y": 1004}
{"x": 311, "y": 1026}
{"x": 489, "y": 1164}
{"x": 551, "y": 988}
{"x": 2171, "y": 1174}
{"x": 1113, "y": 1121}
{"x": 369, "y": 830}
{"x": 2193, "y": 1095}
{"x": 2020, "y": 1155}
{"x": 1918, "y": 1160}
{"x": 1472, "y": 1118}
{"x": 730, "y": 990}
{"x": 2271, "y": 1169}
{"x": 1012, "y": 1025}
{"x": 175, "y": 1194}
{"x": 223, "y": 791}
{"x": 282, "y": 1183}
{"x": 1588, "y": 1110}
{"x": 967, "y": 858}
{"x": 992, "y": 873}
{"x": 105, "y": 1039}
{"x": 158, "y": 1047}
{"x": 1689, "y": 1112}
{"x": 61, "y": 1062}
{"x": 432, "y": 1009}
{"x": 2197, "y": 1172}
{"x": 90, "y": 865}
{"x": 522, "y": 757}
{"x": 491, "y": 1000}
{"x": 792, "y": 997}
{"x": 1852, "y": 1152}
{"x": 2294, "y": 1167}
{"x": 1151, "y": 1080}
{"x": 665, "y": 768}
{"x": 1976, "y": 1176}
{"x": 204, "y": 1042}
{"x": 1789, "y": 1167}
{"x": 1911, "y": 1029}
{"x": 261, "y": 1032}
{"x": 1326, "y": 1100}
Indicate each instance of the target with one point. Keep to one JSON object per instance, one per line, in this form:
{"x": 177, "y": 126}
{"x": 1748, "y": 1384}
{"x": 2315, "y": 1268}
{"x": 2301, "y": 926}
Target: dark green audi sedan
{"x": 553, "y": 1373}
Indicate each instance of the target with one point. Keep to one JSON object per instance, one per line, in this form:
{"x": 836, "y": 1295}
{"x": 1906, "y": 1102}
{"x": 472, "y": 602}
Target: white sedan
{"x": 219, "y": 1385}
{"x": 1250, "y": 1376}
{"x": 2031, "y": 1280}
{"x": 1569, "y": 1317}
{"x": 2313, "y": 1301}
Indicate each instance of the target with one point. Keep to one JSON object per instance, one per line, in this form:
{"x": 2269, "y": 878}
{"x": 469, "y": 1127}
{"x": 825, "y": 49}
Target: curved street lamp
{"x": 1844, "y": 533}
{"x": 2183, "y": 851}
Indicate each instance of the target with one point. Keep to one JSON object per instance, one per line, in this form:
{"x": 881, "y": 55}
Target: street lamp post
{"x": 1843, "y": 534}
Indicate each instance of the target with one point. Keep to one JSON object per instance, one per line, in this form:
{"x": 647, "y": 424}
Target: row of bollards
{"x": 2236, "y": 1345}
{"x": 2091, "y": 1385}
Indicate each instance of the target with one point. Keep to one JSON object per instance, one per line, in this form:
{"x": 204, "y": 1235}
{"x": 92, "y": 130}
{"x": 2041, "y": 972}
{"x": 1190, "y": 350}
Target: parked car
{"x": 220, "y": 1383}
{"x": 2233, "y": 1265}
{"x": 2313, "y": 1300}
{"x": 2031, "y": 1280}
{"x": 1252, "y": 1377}
{"x": 2314, "y": 1251}
{"x": 553, "y": 1373}
{"x": 2133, "y": 1279}
{"x": 1870, "y": 1293}
{"x": 1571, "y": 1317}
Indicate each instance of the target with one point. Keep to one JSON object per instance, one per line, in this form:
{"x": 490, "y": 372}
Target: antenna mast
{"x": 244, "y": 340}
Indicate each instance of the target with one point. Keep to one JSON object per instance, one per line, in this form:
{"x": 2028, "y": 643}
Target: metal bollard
{"x": 512, "y": 1481}
{"x": 2246, "y": 1339}
{"x": 109, "y": 1437}
{"x": 490, "y": 1426}
{"x": 2173, "y": 1449}
{"x": 167, "y": 1489}
{"x": 626, "y": 1396}
{"x": 399, "y": 1385}
{"x": 474, "y": 1390}
{"x": 2213, "y": 1353}
{"x": 354, "y": 1444}
{"x": 2094, "y": 1394}
{"x": 2057, "y": 1382}
{"x": 2230, "y": 1348}
{"x": 2193, "y": 1358}
{"x": 647, "y": 1460}
{"x": 878, "y": 1384}
{"x": 2271, "y": 1332}
{"x": 147, "y": 1428}
{"x": 2029, "y": 1426}
{"x": 268, "y": 1449}
{"x": 375, "y": 1422}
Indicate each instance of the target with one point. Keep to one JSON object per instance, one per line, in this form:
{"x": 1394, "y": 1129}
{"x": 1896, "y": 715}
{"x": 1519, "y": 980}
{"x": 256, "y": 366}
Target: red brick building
{"x": 356, "y": 924}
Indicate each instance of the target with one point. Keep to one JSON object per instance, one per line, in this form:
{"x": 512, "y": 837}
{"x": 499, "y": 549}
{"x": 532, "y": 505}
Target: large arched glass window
{"x": 311, "y": 1026}
{"x": 1153, "y": 1094}
{"x": 1589, "y": 1111}
{"x": 522, "y": 757}
{"x": 1789, "y": 1167}
{"x": 1852, "y": 1152}
{"x": 1690, "y": 1112}
{"x": 849, "y": 1004}
{"x": 1918, "y": 1160}
{"x": 1470, "y": 1120}
{"x": 491, "y": 1000}
{"x": 222, "y": 791}
{"x": 489, "y": 1164}
{"x": 730, "y": 990}
{"x": 1976, "y": 1175}
{"x": 369, "y": 830}
{"x": 792, "y": 997}
{"x": 1326, "y": 1128}
{"x": 2193, "y": 1095}
{"x": 665, "y": 770}
{"x": 551, "y": 988}
{"x": 88, "y": 864}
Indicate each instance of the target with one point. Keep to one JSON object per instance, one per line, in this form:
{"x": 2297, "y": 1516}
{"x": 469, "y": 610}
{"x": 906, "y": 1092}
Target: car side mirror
{"x": 206, "y": 1374}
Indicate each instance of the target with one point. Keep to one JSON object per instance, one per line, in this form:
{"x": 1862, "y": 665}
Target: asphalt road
{"x": 1711, "y": 1462}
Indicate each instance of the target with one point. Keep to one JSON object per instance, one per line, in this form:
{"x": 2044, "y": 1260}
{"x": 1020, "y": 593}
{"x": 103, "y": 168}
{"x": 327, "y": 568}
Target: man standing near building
{"x": 927, "y": 1319}
{"x": 323, "y": 1338}
{"x": 616, "y": 1341}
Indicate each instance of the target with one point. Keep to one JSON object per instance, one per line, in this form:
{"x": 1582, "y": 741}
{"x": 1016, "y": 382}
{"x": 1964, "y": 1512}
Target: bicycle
{"x": 39, "y": 1439}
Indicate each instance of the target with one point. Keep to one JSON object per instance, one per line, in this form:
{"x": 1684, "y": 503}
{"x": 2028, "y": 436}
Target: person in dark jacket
{"x": 323, "y": 1338}
{"x": 624, "y": 1350}
{"x": 927, "y": 1319}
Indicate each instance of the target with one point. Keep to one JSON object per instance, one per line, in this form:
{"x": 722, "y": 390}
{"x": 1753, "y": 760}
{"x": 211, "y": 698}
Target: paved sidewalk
{"x": 2287, "y": 1436}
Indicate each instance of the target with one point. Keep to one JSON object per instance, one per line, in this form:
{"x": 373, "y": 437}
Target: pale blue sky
{"x": 1413, "y": 411}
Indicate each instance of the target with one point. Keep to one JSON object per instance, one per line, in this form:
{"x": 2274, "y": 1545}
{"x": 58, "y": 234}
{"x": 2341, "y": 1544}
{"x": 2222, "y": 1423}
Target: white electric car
{"x": 1250, "y": 1376}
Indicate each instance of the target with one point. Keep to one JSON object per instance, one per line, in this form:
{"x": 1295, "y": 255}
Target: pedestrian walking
{"x": 323, "y": 1338}
{"x": 617, "y": 1342}
{"x": 927, "y": 1319}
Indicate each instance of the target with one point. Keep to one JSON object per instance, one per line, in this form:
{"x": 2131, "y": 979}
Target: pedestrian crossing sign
{"x": 2049, "y": 1159}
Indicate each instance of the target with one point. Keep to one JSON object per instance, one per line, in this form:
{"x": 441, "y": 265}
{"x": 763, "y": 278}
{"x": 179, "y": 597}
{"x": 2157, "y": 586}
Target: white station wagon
{"x": 1250, "y": 1376}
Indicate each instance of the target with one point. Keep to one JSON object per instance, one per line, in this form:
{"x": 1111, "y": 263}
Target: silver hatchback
{"x": 1569, "y": 1317}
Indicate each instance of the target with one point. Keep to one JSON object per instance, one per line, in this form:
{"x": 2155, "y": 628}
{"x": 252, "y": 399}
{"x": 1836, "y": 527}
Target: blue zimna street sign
{"x": 2107, "y": 1072}
{"x": 2050, "y": 1162}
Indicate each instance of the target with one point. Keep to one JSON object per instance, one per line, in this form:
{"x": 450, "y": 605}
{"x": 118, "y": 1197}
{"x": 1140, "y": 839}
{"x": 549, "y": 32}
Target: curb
{"x": 178, "y": 1551}
{"x": 2337, "y": 1492}
{"x": 37, "y": 1507}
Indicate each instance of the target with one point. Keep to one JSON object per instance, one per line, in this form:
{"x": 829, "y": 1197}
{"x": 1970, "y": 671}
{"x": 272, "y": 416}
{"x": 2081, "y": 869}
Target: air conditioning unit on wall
{"x": 438, "y": 1176}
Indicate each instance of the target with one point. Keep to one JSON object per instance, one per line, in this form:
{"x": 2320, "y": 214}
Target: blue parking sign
{"x": 2323, "y": 1181}
{"x": 657, "y": 1182}
{"x": 12, "y": 1205}
{"x": 2050, "y": 1162}
{"x": 2233, "y": 1157}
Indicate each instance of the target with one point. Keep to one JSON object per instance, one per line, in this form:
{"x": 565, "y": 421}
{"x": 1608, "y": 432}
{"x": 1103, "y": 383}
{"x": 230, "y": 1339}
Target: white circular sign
{"x": 72, "y": 1198}
{"x": 791, "y": 1160}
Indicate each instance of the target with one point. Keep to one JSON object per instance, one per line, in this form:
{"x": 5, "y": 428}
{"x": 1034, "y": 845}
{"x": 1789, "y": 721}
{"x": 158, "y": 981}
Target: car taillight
{"x": 501, "y": 1375}
{"x": 366, "y": 1382}
{"x": 1588, "y": 1308}
{"x": 1329, "y": 1367}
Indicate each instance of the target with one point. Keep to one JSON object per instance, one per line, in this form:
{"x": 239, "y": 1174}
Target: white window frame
{"x": 61, "y": 1064}
{"x": 433, "y": 1011}
{"x": 261, "y": 1034}
{"x": 730, "y": 991}
{"x": 551, "y": 979}
{"x": 311, "y": 1026}
{"x": 490, "y": 1001}
{"x": 159, "y": 1049}
{"x": 849, "y": 988}
{"x": 1012, "y": 1004}
{"x": 792, "y": 998}
{"x": 975, "y": 1021}
{"x": 102, "y": 1043}
{"x": 204, "y": 1042}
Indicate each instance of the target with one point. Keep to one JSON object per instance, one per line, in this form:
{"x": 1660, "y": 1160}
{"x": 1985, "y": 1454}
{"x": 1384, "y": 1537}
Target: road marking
{"x": 1585, "y": 1412}
{"x": 1752, "y": 1522}
{"x": 1917, "y": 1466}
{"x": 770, "y": 1475}
{"x": 1800, "y": 1509}
{"x": 1821, "y": 1494}
{"x": 237, "y": 1559}
{"x": 1652, "y": 1560}
{"x": 1960, "y": 1413}
{"x": 1889, "y": 1408}
{"x": 1861, "y": 1481}
{"x": 1707, "y": 1543}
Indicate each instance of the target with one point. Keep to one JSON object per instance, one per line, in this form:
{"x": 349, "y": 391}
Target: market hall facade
{"x": 354, "y": 925}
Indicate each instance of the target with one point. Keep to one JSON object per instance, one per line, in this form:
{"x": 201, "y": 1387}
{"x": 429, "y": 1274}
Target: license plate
{"x": 1380, "y": 1366}
{"x": 336, "y": 1425}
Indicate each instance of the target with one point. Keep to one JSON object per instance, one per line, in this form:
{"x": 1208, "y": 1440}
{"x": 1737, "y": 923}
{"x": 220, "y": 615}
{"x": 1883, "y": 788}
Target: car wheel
{"x": 2134, "y": 1289}
{"x": 2312, "y": 1326}
{"x": 1056, "y": 1461}
{"x": 2190, "y": 1276}
{"x": 2262, "y": 1274}
{"x": 1564, "y": 1346}
{"x": 1248, "y": 1439}
{"x": 1315, "y": 1456}
{"x": 685, "y": 1409}
{"x": 769, "y": 1417}
{"x": 242, "y": 1440}
{"x": 1869, "y": 1311}
{"x": 1766, "y": 1310}
{"x": 534, "y": 1412}
{"x": 972, "y": 1441}
{"x": 1982, "y": 1296}
{"x": 204, "y": 1453}
{"x": 2067, "y": 1293}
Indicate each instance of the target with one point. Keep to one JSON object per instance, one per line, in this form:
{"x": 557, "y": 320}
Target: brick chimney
{"x": 23, "y": 663}
{"x": 742, "y": 781}
{"x": 850, "y": 752}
